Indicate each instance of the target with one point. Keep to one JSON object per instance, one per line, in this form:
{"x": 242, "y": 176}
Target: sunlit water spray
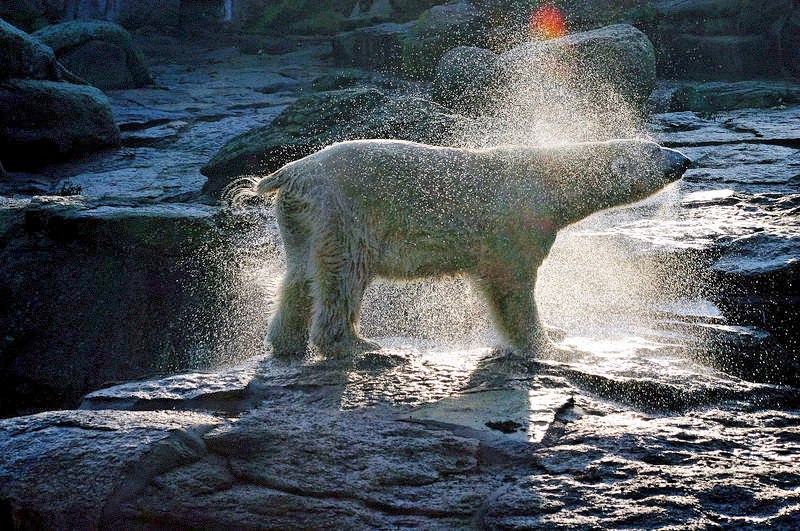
{"x": 594, "y": 284}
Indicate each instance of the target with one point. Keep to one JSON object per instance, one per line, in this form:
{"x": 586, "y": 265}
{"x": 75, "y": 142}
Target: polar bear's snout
{"x": 674, "y": 163}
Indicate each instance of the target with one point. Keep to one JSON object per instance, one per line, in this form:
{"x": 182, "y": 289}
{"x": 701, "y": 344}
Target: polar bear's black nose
{"x": 675, "y": 163}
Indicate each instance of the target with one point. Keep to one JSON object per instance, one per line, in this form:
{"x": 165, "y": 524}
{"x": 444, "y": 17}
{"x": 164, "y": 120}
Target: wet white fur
{"x": 357, "y": 210}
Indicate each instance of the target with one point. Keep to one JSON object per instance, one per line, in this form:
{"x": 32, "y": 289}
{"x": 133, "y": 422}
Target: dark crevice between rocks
{"x": 222, "y": 403}
{"x": 793, "y": 143}
{"x": 339, "y": 496}
{"x": 564, "y": 415}
{"x": 180, "y": 448}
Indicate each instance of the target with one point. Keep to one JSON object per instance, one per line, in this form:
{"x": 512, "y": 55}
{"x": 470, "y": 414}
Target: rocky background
{"x": 121, "y": 124}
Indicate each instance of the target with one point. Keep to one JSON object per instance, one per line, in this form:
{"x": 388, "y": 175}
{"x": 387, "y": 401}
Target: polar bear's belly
{"x": 415, "y": 256}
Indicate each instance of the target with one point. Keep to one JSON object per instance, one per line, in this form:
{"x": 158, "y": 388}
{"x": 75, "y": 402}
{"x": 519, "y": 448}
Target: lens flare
{"x": 547, "y": 22}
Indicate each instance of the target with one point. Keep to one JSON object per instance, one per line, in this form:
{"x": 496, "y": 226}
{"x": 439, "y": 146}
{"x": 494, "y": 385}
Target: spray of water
{"x": 537, "y": 97}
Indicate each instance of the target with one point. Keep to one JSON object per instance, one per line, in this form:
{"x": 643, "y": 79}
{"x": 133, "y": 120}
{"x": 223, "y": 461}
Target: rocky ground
{"x": 672, "y": 404}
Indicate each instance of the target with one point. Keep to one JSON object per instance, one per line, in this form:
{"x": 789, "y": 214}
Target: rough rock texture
{"x": 721, "y": 96}
{"x": 99, "y": 52}
{"x": 619, "y": 57}
{"x": 377, "y": 47}
{"x": 22, "y": 56}
{"x": 694, "y": 39}
{"x": 407, "y": 438}
{"x": 414, "y": 48}
{"x": 320, "y": 119}
{"x": 33, "y": 14}
{"x": 108, "y": 292}
{"x": 143, "y": 445}
{"x": 438, "y": 30}
{"x": 463, "y": 77}
{"x": 43, "y": 121}
{"x": 725, "y": 39}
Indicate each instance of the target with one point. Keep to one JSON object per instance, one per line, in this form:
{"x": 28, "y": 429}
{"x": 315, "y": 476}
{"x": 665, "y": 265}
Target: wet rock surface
{"x": 408, "y": 437}
{"x": 670, "y": 401}
{"x": 618, "y": 56}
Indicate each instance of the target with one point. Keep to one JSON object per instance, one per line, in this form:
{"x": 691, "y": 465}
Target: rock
{"x": 602, "y": 463}
{"x": 413, "y": 48}
{"x": 100, "y": 52}
{"x": 724, "y": 40}
{"x": 464, "y": 75}
{"x": 296, "y": 16}
{"x": 132, "y": 14}
{"x": 377, "y": 47}
{"x": 720, "y": 96}
{"x": 42, "y": 121}
{"x": 619, "y": 58}
{"x": 107, "y": 293}
{"x": 106, "y": 453}
{"x": 257, "y": 44}
{"x": 340, "y": 79}
{"x": 438, "y": 30}
{"x": 22, "y": 56}
{"x": 405, "y": 10}
{"x": 724, "y": 57}
{"x": 326, "y": 444}
{"x": 320, "y": 119}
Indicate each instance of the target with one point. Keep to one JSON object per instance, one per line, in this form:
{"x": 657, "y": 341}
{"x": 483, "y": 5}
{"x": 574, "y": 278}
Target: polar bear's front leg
{"x": 339, "y": 280}
{"x": 509, "y": 289}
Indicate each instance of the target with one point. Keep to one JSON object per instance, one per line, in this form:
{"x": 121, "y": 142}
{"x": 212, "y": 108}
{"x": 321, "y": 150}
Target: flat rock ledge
{"x": 408, "y": 438}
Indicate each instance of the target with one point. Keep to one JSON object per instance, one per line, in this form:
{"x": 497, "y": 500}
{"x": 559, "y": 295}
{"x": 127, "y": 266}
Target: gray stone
{"x": 43, "y": 121}
{"x": 620, "y": 58}
{"x": 464, "y": 76}
{"x": 103, "y": 293}
{"x": 721, "y": 96}
{"x": 625, "y": 469}
{"x": 99, "y": 458}
{"x": 378, "y": 47}
{"x": 22, "y": 56}
{"x": 436, "y": 31}
{"x": 320, "y": 119}
{"x": 332, "y": 444}
{"x": 724, "y": 40}
{"x": 100, "y": 52}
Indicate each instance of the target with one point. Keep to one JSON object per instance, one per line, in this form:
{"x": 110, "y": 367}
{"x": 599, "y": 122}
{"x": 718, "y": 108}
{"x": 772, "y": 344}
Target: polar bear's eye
{"x": 619, "y": 166}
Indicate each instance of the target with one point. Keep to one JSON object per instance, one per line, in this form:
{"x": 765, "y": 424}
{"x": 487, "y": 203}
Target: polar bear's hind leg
{"x": 339, "y": 280}
{"x": 288, "y": 330}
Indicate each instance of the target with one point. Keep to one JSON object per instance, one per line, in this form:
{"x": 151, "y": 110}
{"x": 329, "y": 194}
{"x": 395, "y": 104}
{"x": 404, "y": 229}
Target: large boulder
{"x": 725, "y": 39}
{"x": 22, "y": 56}
{"x": 94, "y": 293}
{"x": 42, "y": 121}
{"x": 597, "y": 69}
{"x": 34, "y": 14}
{"x": 378, "y": 47}
{"x": 463, "y": 77}
{"x": 722, "y": 96}
{"x": 438, "y": 30}
{"x": 413, "y": 48}
{"x": 619, "y": 58}
{"x": 320, "y": 119}
{"x": 100, "y": 52}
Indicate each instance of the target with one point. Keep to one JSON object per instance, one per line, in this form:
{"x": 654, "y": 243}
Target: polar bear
{"x": 400, "y": 210}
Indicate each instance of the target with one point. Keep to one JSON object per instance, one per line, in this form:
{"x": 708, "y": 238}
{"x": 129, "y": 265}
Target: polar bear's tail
{"x": 250, "y": 189}
{"x": 275, "y": 180}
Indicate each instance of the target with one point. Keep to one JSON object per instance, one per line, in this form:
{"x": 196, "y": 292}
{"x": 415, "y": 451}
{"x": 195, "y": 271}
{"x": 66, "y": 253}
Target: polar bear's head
{"x": 599, "y": 175}
{"x": 642, "y": 167}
